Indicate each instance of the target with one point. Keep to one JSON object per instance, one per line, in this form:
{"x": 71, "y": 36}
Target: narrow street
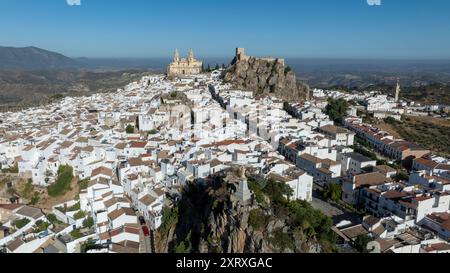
{"x": 145, "y": 243}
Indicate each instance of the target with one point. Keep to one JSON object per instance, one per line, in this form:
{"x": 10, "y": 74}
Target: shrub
{"x": 361, "y": 242}
{"x": 20, "y": 223}
{"x": 287, "y": 70}
{"x": 181, "y": 248}
{"x": 28, "y": 190}
{"x": 79, "y": 215}
{"x": 35, "y": 199}
{"x": 13, "y": 169}
{"x": 83, "y": 184}
{"x": 256, "y": 187}
{"x": 40, "y": 226}
{"x": 52, "y": 218}
{"x": 401, "y": 176}
{"x": 281, "y": 240}
{"x": 169, "y": 219}
{"x": 337, "y": 109}
{"x": 277, "y": 191}
{"x": 257, "y": 219}
{"x": 57, "y": 97}
{"x": 333, "y": 192}
{"x": 130, "y": 129}
{"x": 88, "y": 222}
{"x": 76, "y": 234}
{"x": 305, "y": 217}
{"x": 390, "y": 120}
{"x": 62, "y": 184}
{"x": 75, "y": 207}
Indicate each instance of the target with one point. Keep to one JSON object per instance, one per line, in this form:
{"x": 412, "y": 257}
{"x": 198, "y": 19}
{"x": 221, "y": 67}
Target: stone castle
{"x": 240, "y": 56}
{"x": 181, "y": 67}
{"x": 265, "y": 76}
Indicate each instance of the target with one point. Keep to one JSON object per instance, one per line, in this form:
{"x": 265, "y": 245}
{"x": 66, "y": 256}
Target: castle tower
{"x": 191, "y": 56}
{"x": 240, "y": 54}
{"x": 397, "y": 92}
{"x": 176, "y": 58}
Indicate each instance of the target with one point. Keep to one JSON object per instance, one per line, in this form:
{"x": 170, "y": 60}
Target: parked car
{"x": 142, "y": 220}
{"x": 146, "y": 231}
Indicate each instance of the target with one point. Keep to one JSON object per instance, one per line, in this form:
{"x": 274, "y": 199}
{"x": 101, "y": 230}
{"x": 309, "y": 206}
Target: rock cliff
{"x": 211, "y": 219}
{"x": 264, "y": 76}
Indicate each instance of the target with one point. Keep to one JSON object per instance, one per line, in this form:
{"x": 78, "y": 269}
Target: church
{"x": 181, "y": 67}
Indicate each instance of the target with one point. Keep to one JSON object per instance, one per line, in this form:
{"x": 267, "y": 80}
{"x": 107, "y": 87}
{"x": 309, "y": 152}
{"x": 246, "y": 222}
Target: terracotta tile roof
{"x": 229, "y": 142}
{"x": 12, "y": 246}
{"x": 136, "y": 144}
{"x": 11, "y": 206}
{"x": 119, "y": 212}
{"x": 438, "y": 247}
{"x": 371, "y": 179}
{"x": 354, "y": 232}
{"x": 102, "y": 170}
{"x": 426, "y": 162}
{"x": 147, "y": 200}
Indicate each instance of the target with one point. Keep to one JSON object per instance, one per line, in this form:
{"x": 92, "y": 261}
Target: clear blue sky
{"x": 414, "y": 29}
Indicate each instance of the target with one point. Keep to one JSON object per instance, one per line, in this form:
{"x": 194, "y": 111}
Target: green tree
{"x": 401, "y": 176}
{"x": 130, "y": 129}
{"x": 277, "y": 191}
{"x": 281, "y": 240}
{"x": 169, "y": 219}
{"x": 361, "y": 242}
{"x": 88, "y": 222}
{"x": 52, "y": 218}
{"x": 28, "y": 190}
{"x": 181, "y": 248}
{"x": 337, "y": 109}
{"x": 20, "y": 223}
{"x": 257, "y": 219}
{"x": 62, "y": 183}
{"x": 333, "y": 191}
{"x": 83, "y": 184}
{"x": 40, "y": 226}
{"x": 76, "y": 234}
{"x": 35, "y": 199}
{"x": 79, "y": 215}
{"x": 287, "y": 70}
{"x": 390, "y": 120}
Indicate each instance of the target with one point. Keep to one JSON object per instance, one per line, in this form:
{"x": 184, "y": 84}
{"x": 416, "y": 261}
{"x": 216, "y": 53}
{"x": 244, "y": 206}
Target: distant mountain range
{"x": 32, "y": 58}
{"x": 324, "y": 73}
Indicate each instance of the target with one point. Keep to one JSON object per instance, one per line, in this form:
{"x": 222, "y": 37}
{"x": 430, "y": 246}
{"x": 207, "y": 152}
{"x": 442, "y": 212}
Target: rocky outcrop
{"x": 212, "y": 220}
{"x": 264, "y": 76}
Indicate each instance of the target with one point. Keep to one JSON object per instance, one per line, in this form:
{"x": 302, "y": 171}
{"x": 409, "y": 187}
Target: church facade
{"x": 181, "y": 67}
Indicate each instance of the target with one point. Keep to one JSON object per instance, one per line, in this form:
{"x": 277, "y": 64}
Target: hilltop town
{"x": 104, "y": 173}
